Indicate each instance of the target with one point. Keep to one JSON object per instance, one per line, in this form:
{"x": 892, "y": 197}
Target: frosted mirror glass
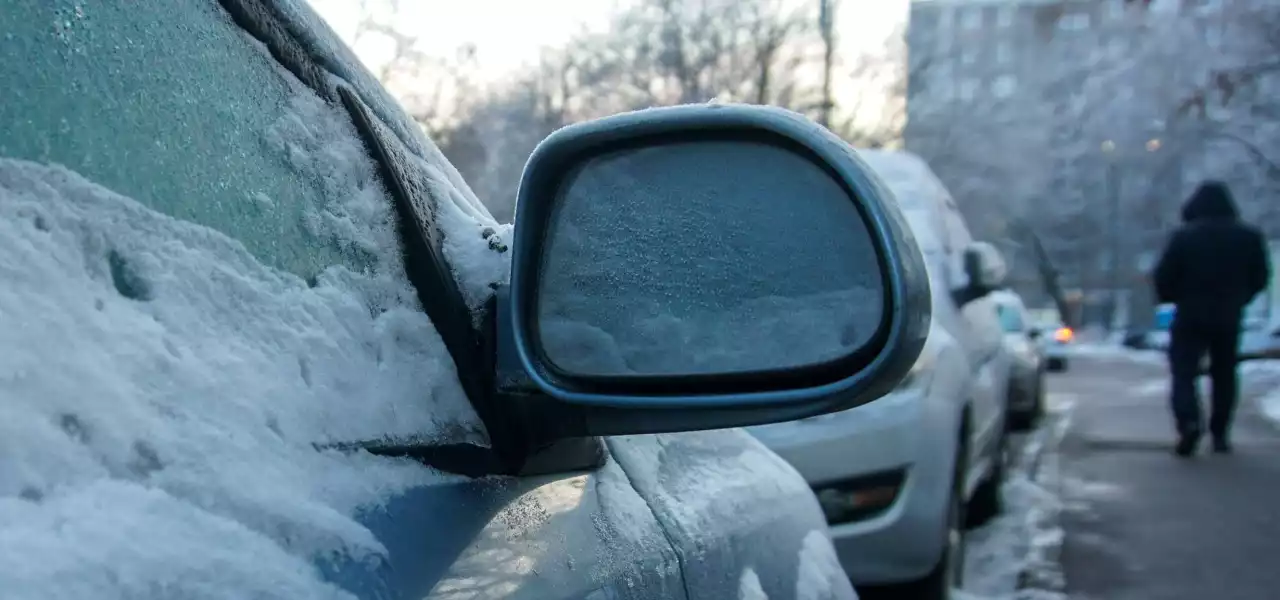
{"x": 707, "y": 257}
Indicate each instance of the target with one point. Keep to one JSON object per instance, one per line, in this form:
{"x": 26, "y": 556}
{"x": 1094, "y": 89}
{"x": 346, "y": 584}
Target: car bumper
{"x": 892, "y": 435}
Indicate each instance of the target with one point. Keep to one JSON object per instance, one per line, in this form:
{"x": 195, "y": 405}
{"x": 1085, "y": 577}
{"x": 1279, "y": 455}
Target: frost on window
{"x": 653, "y": 267}
{"x": 202, "y": 284}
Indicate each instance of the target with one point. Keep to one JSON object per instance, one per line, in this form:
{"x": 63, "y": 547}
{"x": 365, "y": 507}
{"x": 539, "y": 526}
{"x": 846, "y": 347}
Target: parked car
{"x": 262, "y": 341}
{"x": 901, "y": 478}
{"x": 1055, "y": 337}
{"x": 1027, "y": 362}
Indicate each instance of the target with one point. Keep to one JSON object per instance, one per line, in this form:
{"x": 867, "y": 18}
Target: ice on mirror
{"x": 652, "y": 266}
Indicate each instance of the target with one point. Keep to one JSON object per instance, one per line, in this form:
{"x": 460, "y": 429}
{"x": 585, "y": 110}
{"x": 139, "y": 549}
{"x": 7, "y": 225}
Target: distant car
{"x": 900, "y": 478}
{"x": 1027, "y": 362}
{"x": 1054, "y": 337}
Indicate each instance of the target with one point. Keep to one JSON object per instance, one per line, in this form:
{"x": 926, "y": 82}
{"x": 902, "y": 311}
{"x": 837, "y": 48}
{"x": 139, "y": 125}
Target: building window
{"x": 1004, "y": 86}
{"x": 971, "y": 18}
{"x": 1117, "y": 47}
{"x": 1118, "y": 8}
{"x": 1213, "y": 35}
{"x": 1074, "y": 22}
{"x": 1004, "y": 16}
{"x": 1209, "y": 6}
{"x": 945, "y": 16}
{"x": 1004, "y": 52}
{"x": 968, "y": 89}
{"x": 969, "y": 57}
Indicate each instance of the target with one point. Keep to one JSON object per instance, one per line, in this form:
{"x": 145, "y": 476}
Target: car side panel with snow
{"x": 269, "y": 344}
{"x": 899, "y": 478}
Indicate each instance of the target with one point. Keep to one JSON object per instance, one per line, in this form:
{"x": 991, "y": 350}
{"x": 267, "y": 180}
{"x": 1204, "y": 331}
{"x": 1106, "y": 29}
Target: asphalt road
{"x": 1141, "y": 524}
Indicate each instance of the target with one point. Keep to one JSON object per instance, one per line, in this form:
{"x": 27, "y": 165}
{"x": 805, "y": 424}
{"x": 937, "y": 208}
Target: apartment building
{"x": 1023, "y": 77}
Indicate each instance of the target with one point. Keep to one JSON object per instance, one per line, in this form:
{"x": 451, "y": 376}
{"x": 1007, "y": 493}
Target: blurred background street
{"x": 1141, "y": 524}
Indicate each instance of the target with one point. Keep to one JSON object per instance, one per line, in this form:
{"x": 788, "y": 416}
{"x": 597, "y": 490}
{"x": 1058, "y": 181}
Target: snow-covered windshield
{"x": 785, "y": 276}
{"x": 202, "y": 283}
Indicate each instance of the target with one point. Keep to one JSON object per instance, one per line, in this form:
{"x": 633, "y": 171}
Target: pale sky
{"x": 509, "y": 33}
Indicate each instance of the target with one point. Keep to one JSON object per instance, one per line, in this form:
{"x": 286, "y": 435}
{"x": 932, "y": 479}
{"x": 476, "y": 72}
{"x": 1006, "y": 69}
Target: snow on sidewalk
{"x": 1015, "y": 557}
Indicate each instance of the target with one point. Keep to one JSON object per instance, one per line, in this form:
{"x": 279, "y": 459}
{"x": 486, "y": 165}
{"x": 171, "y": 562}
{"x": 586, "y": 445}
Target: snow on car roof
{"x": 908, "y": 177}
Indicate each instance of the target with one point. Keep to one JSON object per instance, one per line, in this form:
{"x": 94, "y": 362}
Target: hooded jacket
{"x": 1214, "y": 264}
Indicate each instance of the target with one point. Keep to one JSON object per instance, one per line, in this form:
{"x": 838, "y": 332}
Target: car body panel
{"x": 595, "y": 535}
{"x": 914, "y": 428}
{"x": 729, "y": 506}
{"x": 1026, "y": 355}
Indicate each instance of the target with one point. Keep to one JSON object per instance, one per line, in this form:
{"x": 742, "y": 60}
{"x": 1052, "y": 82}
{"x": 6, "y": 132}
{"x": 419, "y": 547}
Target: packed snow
{"x": 165, "y": 392}
{"x": 1015, "y": 556}
{"x": 1267, "y": 373}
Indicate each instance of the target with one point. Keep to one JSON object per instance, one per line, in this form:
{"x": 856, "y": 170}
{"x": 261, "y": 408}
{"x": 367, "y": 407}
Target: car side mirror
{"x": 985, "y": 271}
{"x": 984, "y": 266}
{"x": 705, "y": 266}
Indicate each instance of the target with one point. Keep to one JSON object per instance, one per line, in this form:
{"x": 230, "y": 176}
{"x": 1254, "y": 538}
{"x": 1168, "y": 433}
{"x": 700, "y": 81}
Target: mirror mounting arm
{"x": 964, "y": 295}
{"x": 529, "y": 432}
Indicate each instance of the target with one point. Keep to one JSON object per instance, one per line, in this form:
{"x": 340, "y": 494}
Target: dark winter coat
{"x": 1214, "y": 264}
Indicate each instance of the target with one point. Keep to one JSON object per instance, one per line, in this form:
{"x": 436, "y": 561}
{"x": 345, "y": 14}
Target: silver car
{"x": 1027, "y": 359}
{"x": 900, "y": 478}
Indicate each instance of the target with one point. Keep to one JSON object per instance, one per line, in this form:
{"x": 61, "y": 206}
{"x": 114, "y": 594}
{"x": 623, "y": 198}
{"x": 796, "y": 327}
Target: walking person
{"x": 1211, "y": 269}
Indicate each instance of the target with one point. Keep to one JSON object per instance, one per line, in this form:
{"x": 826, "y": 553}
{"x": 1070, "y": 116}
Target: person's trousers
{"x": 1188, "y": 346}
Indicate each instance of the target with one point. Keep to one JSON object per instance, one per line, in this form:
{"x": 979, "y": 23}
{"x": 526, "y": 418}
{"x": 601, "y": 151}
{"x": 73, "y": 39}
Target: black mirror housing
{"x": 656, "y": 254}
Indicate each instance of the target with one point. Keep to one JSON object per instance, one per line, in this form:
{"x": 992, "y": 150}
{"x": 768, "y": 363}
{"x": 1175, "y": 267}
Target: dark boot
{"x": 1188, "y": 441}
{"x": 1221, "y": 445}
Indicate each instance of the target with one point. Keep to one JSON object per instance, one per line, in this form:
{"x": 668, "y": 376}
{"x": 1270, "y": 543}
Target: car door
{"x": 206, "y": 271}
{"x": 982, "y": 338}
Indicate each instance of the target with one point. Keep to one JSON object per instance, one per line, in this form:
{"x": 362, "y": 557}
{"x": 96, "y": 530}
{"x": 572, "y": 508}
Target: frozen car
{"x": 1027, "y": 362}
{"x": 900, "y": 478}
{"x": 261, "y": 341}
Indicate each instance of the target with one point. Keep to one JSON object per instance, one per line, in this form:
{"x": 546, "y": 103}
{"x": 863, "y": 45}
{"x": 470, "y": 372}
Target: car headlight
{"x": 860, "y": 498}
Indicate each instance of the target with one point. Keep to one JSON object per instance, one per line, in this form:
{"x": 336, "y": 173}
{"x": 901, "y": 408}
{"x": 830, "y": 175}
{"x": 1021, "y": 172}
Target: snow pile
{"x": 1270, "y": 405}
{"x": 1264, "y": 374}
{"x": 761, "y": 333}
{"x": 1015, "y": 557}
{"x": 1020, "y": 544}
{"x": 163, "y": 391}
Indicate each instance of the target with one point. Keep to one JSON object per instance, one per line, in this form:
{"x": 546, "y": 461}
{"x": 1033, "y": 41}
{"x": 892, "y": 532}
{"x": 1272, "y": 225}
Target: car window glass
{"x": 177, "y": 110}
{"x": 1010, "y": 318}
{"x": 202, "y": 286}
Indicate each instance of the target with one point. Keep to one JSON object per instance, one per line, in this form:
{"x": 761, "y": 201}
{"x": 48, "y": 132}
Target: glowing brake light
{"x": 1063, "y": 334}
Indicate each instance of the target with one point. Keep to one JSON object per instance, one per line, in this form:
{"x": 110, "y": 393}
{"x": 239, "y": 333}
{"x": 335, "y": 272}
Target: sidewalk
{"x": 1143, "y": 525}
